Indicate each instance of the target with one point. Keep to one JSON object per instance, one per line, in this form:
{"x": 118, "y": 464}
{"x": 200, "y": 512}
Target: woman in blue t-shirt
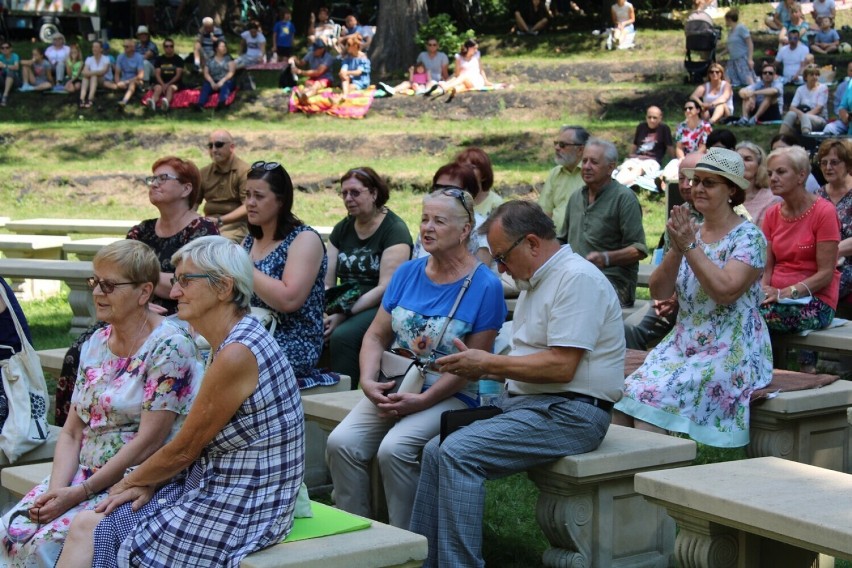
{"x": 395, "y": 427}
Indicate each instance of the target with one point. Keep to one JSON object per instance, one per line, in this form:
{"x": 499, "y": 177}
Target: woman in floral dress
{"x": 137, "y": 379}
{"x": 698, "y": 380}
{"x": 691, "y": 135}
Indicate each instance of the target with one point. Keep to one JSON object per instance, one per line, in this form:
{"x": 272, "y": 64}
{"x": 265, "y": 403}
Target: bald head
{"x": 221, "y": 146}
{"x": 684, "y": 184}
{"x": 653, "y": 117}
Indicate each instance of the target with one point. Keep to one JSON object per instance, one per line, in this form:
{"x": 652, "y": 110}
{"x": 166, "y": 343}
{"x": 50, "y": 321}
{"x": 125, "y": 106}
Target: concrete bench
{"x": 39, "y": 457}
{"x": 645, "y": 270}
{"x": 86, "y": 249}
{"x": 73, "y": 273}
{"x": 52, "y": 359}
{"x": 832, "y": 340}
{"x": 43, "y": 226}
{"x": 758, "y": 513}
{"x": 587, "y": 507}
{"x": 33, "y": 246}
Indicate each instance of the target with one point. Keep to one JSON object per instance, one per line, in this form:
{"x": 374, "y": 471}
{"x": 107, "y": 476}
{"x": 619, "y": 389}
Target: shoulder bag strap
{"x": 25, "y": 345}
{"x": 465, "y": 285}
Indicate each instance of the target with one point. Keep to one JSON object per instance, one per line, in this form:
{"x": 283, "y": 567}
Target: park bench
{"x": 86, "y": 249}
{"x": 33, "y": 246}
{"x": 587, "y": 507}
{"x": 756, "y": 513}
{"x": 645, "y": 271}
{"x": 66, "y": 227}
{"x": 73, "y": 273}
{"x": 831, "y": 340}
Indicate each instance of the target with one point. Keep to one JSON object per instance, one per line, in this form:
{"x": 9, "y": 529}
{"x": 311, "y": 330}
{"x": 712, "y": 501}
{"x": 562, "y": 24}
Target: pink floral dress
{"x": 110, "y": 394}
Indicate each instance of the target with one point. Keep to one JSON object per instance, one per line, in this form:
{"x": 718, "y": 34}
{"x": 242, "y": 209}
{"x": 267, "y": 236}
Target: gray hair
{"x": 464, "y": 212}
{"x": 521, "y": 217}
{"x": 221, "y": 259}
{"x": 610, "y": 151}
{"x": 580, "y": 134}
{"x": 796, "y": 155}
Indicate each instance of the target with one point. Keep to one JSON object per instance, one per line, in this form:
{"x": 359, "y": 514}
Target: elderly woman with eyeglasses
{"x": 226, "y": 485}
{"x": 417, "y": 315}
{"x": 289, "y": 270}
{"x": 801, "y": 281}
{"x": 364, "y": 251}
{"x": 699, "y": 378}
{"x": 136, "y": 381}
{"x": 835, "y": 161}
{"x": 175, "y": 190}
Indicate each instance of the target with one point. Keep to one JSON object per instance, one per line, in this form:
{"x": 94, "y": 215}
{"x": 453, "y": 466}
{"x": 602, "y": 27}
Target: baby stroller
{"x": 701, "y": 39}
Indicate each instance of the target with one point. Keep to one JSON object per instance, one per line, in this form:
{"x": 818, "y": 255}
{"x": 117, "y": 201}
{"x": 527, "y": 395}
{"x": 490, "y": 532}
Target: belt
{"x": 604, "y": 405}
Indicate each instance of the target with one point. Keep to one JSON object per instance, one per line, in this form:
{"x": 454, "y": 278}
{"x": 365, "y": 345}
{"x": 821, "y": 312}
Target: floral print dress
{"x": 844, "y": 213}
{"x": 699, "y": 379}
{"x": 692, "y": 139}
{"x": 110, "y": 394}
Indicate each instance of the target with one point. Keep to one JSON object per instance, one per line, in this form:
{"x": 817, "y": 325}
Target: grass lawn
{"x": 56, "y": 161}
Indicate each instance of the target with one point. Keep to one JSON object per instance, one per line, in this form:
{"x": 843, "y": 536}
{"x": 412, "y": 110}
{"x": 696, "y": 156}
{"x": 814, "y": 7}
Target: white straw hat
{"x": 722, "y": 162}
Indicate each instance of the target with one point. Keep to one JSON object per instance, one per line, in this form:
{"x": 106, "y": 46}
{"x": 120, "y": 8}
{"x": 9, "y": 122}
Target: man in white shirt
{"x": 793, "y": 58}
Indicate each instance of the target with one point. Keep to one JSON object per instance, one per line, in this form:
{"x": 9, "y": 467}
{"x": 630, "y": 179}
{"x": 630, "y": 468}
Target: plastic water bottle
{"x": 489, "y": 392}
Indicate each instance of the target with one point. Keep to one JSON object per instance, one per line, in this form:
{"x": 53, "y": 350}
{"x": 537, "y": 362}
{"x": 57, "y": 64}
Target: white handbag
{"x": 26, "y": 428}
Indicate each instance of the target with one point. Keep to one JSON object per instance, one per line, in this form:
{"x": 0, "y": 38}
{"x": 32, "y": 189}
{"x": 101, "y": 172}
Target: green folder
{"x": 326, "y": 521}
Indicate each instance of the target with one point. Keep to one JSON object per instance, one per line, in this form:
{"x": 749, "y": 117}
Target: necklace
{"x": 133, "y": 346}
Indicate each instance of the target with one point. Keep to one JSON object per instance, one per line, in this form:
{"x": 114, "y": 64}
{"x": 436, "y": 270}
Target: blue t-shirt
{"x": 13, "y": 59}
{"x": 419, "y": 307}
{"x": 362, "y": 81}
{"x": 129, "y": 67}
{"x": 829, "y": 36}
{"x": 284, "y": 33}
{"x": 315, "y": 62}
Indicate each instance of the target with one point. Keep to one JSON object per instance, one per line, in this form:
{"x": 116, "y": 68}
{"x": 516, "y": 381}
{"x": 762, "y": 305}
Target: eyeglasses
{"x": 107, "y": 286}
{"x": 501, "y": 258}
{"x": 353, "y": 193}
{"x": 714, "y": 72}
{"x": 159, "y": 178}
{"x": 767, "y": 72}
{"x": 832, "y": 163}
{"x": 217, "y": 144}
{"x": 458, "y": 193}
{"x": 184, "y": 279}
{"x": 268, "y": 166}
{"x": 562, "y": 145}
{"x": 23, "y": 535}
{"x": 685, "y": 109}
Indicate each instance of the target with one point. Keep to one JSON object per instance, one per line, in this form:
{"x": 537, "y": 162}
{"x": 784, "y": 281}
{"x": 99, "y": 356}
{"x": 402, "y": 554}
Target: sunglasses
{"x": 457, "y": 193}
{"x": 688, "y": 108}
{"x": 158, "y": 179}
{"x": 768, "y": 73}
{"x": 562, "y": 145}
{"x": 268, "y": 166}
{"x": 501, "y": 258}
{"x": 107, "y": 286}
{"x": 217, "y": 144}
{"x": 184, "y": 279}
{"x": 168, "y": 45}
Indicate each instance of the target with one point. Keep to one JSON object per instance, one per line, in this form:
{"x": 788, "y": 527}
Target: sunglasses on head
{"x": 268, "y": 166}
{"x": 217, "y": 144}
{"x": 458, "y": 193}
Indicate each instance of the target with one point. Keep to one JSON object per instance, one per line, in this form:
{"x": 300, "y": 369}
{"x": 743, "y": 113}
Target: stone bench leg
{"x": 604, "y": 524}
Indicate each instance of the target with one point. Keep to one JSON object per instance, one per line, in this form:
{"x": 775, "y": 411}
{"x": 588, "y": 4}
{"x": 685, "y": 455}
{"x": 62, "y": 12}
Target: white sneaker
{"x": 164, "y": 104}
{"x": 152, "y": 104}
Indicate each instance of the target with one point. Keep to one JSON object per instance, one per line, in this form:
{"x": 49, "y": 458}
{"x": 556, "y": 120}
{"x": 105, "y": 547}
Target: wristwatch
{"x": 219, "y": 222}
{"x": 794, "y": 292}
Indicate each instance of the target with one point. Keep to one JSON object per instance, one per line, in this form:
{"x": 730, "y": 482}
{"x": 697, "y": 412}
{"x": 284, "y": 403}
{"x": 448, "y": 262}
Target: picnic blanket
{"x": 326, "y": 521}
{"x": 186, "y": 97}
{"x": 353, "y": 105}
{"x": 782, "y": 380}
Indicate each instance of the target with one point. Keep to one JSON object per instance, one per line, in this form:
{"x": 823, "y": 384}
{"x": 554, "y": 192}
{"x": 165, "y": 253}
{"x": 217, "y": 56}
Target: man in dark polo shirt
{"x": 168, "y": 72}
{"x": 223, "y": 187}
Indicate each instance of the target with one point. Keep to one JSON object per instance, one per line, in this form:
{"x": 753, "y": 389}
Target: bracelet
{"x": 606, "y": 259}
{"x": 89, "y": 493}
{"x": 689, "y": 247}
{"x": 806, "y": 288}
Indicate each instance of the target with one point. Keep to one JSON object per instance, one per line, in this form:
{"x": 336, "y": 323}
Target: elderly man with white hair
{"x": 208, "y": 35}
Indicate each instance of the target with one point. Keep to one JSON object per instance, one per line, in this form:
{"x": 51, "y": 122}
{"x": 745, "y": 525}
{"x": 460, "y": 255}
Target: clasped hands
{"x": 682, "y": 227}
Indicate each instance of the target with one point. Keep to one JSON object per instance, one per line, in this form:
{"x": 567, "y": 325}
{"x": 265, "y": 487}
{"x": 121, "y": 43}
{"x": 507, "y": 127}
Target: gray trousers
{"x": 645, "y": 327}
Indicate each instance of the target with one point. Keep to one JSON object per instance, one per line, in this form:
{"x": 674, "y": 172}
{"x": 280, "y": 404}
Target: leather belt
{"x": 604, "y": 405}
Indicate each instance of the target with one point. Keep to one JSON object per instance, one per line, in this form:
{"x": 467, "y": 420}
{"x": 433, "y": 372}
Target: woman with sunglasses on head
{"x": 835, "y": 161}
{"x": 136, "y": 381}
{"x": 699, "y": 378}
{"x": 364, "y": 251}
{"x": 691, "y": 134}
{"x": 715, "y": 97}
{"x": 226, "y": 485}
{"x": 417, "y": 316}
{"x": 175, "y": 190}
{"x": 289, "y": 270}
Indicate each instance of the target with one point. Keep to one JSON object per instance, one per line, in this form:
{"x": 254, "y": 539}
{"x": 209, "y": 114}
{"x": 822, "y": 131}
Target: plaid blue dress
{"x": 238, "y": 496}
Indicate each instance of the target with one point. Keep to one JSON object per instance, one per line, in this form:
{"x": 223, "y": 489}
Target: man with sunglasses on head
{"x": 603, "y": 221}
{"x": 564, "y": 179}
{"x": 562, "y": 376}
{"x": 168, "y": 73}
{"x": 223, "y": 187}
{"x": 764, "y": 100}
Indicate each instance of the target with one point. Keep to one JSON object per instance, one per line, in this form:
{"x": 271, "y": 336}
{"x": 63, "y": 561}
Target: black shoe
{"x": 431, "y": 90}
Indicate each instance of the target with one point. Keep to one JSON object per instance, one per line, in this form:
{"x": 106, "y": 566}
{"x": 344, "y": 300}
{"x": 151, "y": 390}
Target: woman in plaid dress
{"x": 241, "y": 449}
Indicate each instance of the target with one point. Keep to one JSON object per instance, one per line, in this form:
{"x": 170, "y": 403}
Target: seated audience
{"x": 252, "y": 46}
{"x": 355, "y": 69}
{"x": 74, "y": 69}
{"x": 129, "y": 71}
{"x": 219, "y": 73}
{"x": 531, "y": 17}
{"x": 316, "y": 67}
{"x": 763, "y": 101}
{"x": 798, "y": 23}
{"x": 486, "y": 200}
{"x": 699, "y": 378}
{"x": 137, "y": 378}
{"x": 623, "y": 33}
{"x": 418, "y": 82}
{"x": 205, "y": 43}
{"x": 289, "y": 269}
{"x": 809, "y": 108}
{"x": 468, "y": 74}
{"x": 801, "y": 281}
{"x": 37, "y": 72}
{"x": 652, "y": 144}
{"x": 97, "y": 72}
{"x": 788, "y": 141}
{"x": 715, "y": 97}
{"x": 364, "y": 251}
{"x": 565, "y": 177}
{"x": 758, "y": 196}
{"x": 793, "y": 58}
{"x": 691, "y": 134}
{"x": 823, "y": 9}
{"x": 146, "y": 47}
{"x": 350, "y": 30}
{"x": 825, "y": 39}
{"x": 417, "y": 314}
{"x": 168, "y": 76}
{"x": 322, "y": 28}
{"x": 10, "y": 70}
{"x": 242, "y": 444}
{"x": 57, "y": 53}
{"x": 721, "y": 138}
{"x": 835, "y": 161}
{"x": 739, "y": 48}
{"x": 437, "y": 63}
{"x": 842, "y": 107}
{"x": 780, "y": 17}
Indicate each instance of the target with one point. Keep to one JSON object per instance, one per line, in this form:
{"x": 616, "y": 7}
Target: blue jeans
{"x": 224, "y": 93}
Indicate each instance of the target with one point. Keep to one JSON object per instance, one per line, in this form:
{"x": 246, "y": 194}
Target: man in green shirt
{"x": 603, "y": 221}
{"x": 564, "y": 179}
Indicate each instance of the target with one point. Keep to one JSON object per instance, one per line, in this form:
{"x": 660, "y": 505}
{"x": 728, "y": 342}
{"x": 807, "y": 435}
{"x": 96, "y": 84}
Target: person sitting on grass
{"x": 38, "y": 73}
{"x": 219, "y": 73}
{"x": 715, "y": 98}
{"x": 826, "y": 39}
{"x": 763, "y": 100}
{"x": 798, "y": 23}
{"x": 355, "y": 71}
{"x": 793, "y": 58}
{"x": 56, "y": 53}
{"x": 168, "y": 73}
{"x": 468, "y": 73}
{"x": 10, "y": 70}
{"x": 316, "y": 67}
{"x": 809, "y": 109}
{"x": 779, "y": 19}
{"x": 74, "y": 69}
{"x": 622, "y": 34}
{"x": 97, "y": 71}
{"x": 531, "y": 17}
{"x": 417, "y": 83}
{"x": 652, "y": 142}
{"x": 252, "y": 46}
{"x": 129, "y": 71}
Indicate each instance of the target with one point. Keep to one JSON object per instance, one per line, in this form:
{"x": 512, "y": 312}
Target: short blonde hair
{"x": 136, "y": 260}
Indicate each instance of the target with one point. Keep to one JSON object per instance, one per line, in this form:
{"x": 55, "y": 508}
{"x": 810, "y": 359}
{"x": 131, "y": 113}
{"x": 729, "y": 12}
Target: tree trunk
{"x": 216, "y": 9}
{"x": 394, "y": 48}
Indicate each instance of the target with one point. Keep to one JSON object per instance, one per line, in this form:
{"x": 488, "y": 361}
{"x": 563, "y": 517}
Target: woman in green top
{"x": 74, "y": 69}
{"x": 364, "y": 251}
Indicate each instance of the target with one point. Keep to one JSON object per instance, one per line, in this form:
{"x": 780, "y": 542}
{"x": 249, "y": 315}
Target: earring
{"x": 730, "y": 200}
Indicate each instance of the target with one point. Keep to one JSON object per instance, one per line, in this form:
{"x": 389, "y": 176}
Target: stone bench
{"x": 645, "y": 270}
{"x": 832, "y": 340}
{"x": 39, "y": 457}
{"x": 757, "y": 513}
{"x": 33, "y": 246}
{"x": 43, "y": 226}
{"x": 86, "y": 249}
{"x": 73, "y": 273}
{"x": 587, "y": 507}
